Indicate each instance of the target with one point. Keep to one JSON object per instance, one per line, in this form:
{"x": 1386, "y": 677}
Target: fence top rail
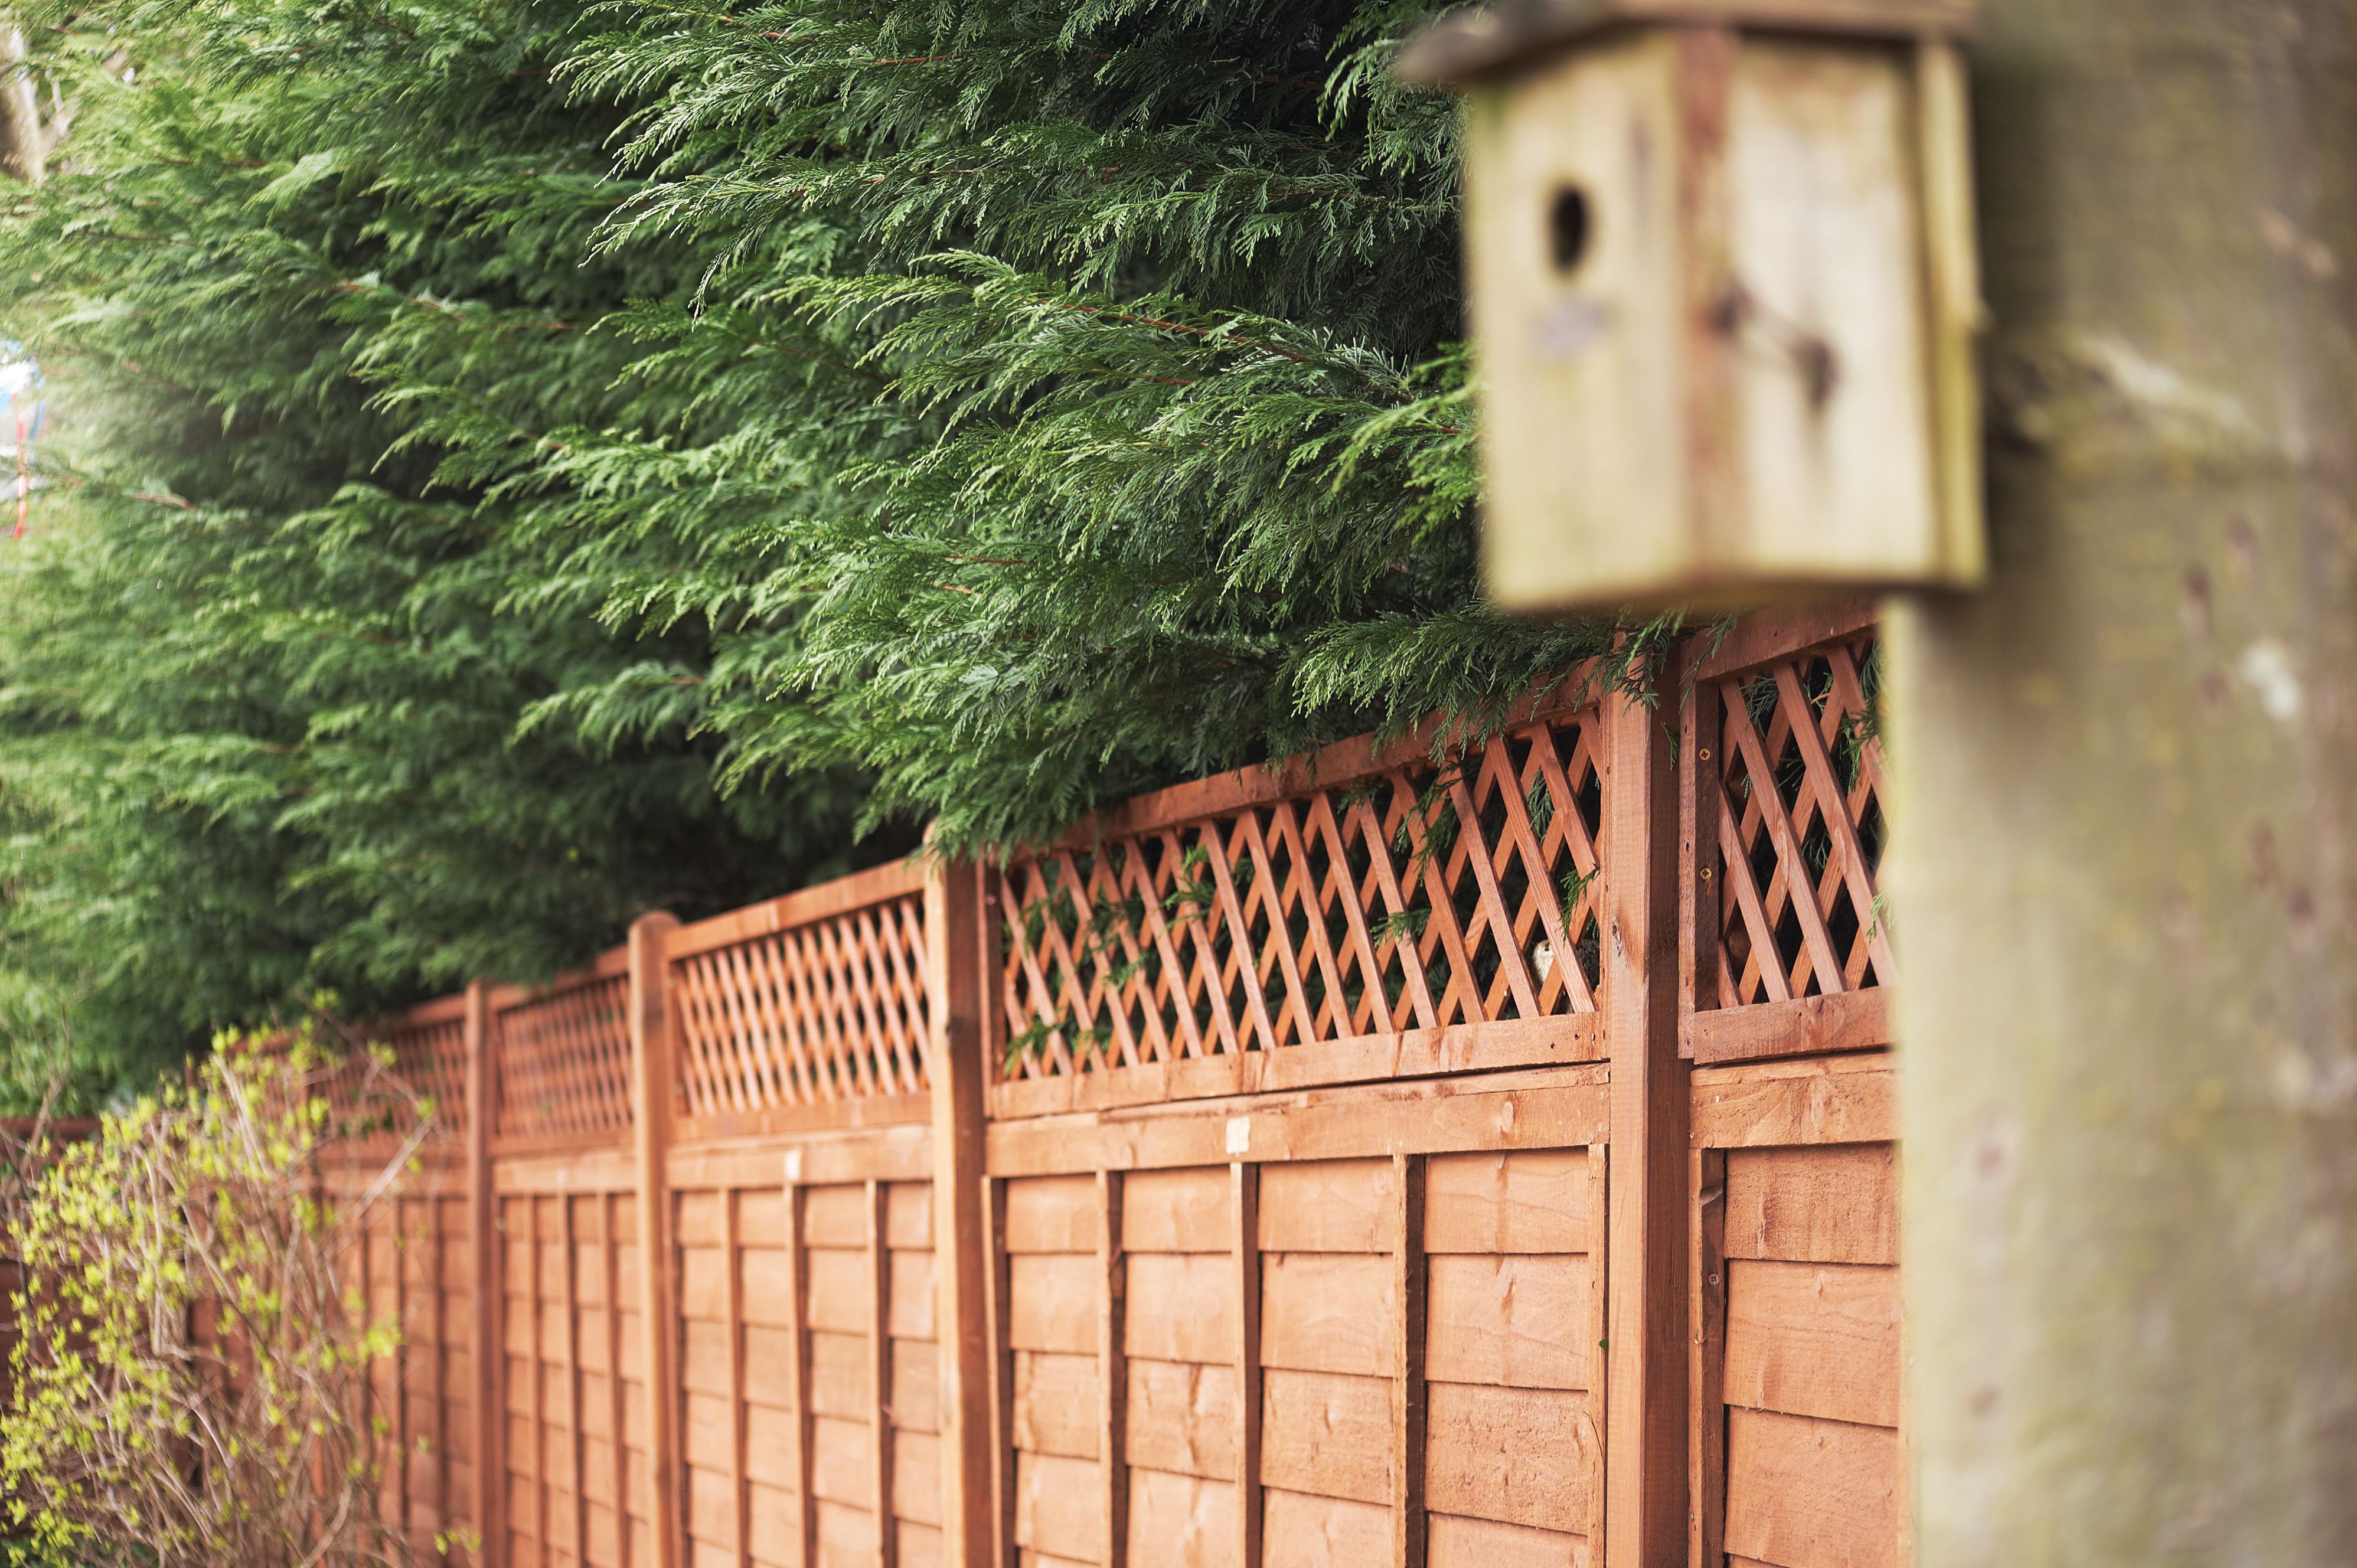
{"x": 606, "y": 965}
{"x": 1338, "y": 766}
{"x": 1768, "y": 638}
{"x": 426, "y": 1015}
{"x": 894, "y": 879}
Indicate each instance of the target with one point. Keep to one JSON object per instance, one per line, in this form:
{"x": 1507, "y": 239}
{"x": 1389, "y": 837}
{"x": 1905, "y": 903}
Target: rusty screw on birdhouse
{"x": 1724, "y": 293}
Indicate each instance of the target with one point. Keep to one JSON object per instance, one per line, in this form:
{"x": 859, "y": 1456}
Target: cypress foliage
{"x": 554, "y": 460}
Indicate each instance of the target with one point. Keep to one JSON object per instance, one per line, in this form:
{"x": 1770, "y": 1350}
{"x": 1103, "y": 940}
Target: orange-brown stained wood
{"x": 1176, "y": 1211}
{"x": 1302, "y": 1528}
{"x": 1182, "y": 1418}
{"x": 485, "y": 1396}
{"x": 1327, "y": 1434}
{"x": 1521, "y": 1201}
{"x": 1183, "y": 1308}
{"x": 1515, "y": 1455}
{"x": 652, "y": 1059}
{"x": 1182, "y": 1521}
{"x": 1837, "y": 1205}
{"x": 1324, "y": 1312}
{"x": 1056, "y": 1507}
{"x": 1645, "y": 1469}
{"x": 1329, "y": 1206}
{"x": 1805, "y": 1493}
{"x": 1502, "y": 1320}
{"x": 1410, "y": 1398}
{"x": 1817, "y": 1339}
{"x": 1248, "y": 1356}
{"x": 1056, "y": 1403}
{"x": 1484, "y": 1543}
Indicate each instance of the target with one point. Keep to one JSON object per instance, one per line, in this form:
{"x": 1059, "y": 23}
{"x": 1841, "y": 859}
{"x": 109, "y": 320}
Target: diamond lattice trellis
{"x": 1417, "y": 897}
{"x": 830, "y": 1010}
{"x": 1800, "y": 829}
{"x": 564, "y": 1061}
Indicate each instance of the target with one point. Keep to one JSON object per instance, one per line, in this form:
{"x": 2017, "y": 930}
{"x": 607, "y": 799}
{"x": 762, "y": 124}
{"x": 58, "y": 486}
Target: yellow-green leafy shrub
{"x": 192, "y": 1385}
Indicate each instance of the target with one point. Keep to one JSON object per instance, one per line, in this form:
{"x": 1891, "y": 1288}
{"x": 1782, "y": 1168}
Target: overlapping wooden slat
{"x": 1408, "y": 895}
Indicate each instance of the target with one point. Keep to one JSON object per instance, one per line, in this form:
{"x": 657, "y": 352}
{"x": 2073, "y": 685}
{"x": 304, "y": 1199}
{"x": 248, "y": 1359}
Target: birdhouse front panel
{"x": 1576, "y": 298}
{"x": 1723, "y": 295}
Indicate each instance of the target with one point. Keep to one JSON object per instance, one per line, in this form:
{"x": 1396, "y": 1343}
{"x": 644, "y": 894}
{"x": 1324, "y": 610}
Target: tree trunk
{"x": 25, "y": 141}
{"x": 2125, "y": 871}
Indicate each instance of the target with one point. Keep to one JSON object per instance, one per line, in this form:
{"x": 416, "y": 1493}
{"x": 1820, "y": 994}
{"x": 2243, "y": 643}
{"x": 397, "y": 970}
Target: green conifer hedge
{"x": 540, "y": 461}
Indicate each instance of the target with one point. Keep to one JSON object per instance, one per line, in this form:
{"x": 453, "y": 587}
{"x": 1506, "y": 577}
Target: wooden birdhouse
{"x": 1721, "y": 264}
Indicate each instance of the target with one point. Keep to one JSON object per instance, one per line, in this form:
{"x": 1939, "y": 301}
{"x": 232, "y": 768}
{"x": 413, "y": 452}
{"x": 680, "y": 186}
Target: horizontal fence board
{"x": 1513, "y": 1455}
{"x": 1181, "y": 1307}
{"x": 1814, "y": 1340}
{"x": 1180, "y": 1522}
{"x": 1055, "y": 1404}
{"x": 1328, "y": 1313}
{"x": 1837, "y": 1205}
{"x": 1511, "y": 1320}
{"x": 1836, "y": 1100}
{"x": 1532, "y": 1200}
{"x": 1458, "y": 1542}
{"x": 1550, "y": 1112}
{"x": 1804, "y": 1026}
{"x": 1409, "y": 1054}
{"x": 1329, "y": 1206}
{"x": 1327, "y": 1435}
{"x": 1805, "y": 1493}
{"x": 1300, "y": 1531}
{"x": 1178, "y": 1212}
{"x": 1052, "y": 1214}
{"x": 1052, "y": 1302}
{"x": 1182, "y": 1418}
{"x": 1056, "y": 1507}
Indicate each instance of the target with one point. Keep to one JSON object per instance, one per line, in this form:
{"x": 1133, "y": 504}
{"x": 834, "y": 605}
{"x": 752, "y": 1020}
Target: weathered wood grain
{"x": 1515, "y": 1456}
{"x": 1323, "y": 1312}
{"x": 1814, "y": 1340}
{"x": 1327, "y": 1206}
{"x": 1182, "y": 1418}
{"x": 1180, "y": 1522}
{"x": 1055, "y": 1403}
{"x": 1182, "y": 1307}
{"x": 1306, "y": 1532}
{"x": 1327, "y": 1433}
{"x": 1508, "y": 1320}
{"x": 1837, "y": 1205}
{"x": 1176, "y": 1210}
{"x": 1804, "y": 1493}
{"x": 1532, "y": 1200}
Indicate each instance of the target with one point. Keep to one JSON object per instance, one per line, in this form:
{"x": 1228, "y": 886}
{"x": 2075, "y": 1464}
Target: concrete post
{"x": 2124, "y": 872}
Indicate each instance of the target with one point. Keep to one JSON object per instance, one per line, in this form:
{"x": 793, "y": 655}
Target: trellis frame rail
{"x": 864, "y": 1030}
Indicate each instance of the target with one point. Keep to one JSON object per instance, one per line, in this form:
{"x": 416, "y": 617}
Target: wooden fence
{"x": 1368, "y": 1160}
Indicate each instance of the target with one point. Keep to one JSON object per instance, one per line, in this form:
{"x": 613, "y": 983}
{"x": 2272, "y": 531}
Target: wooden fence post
{"x": 956, "y": 934}
{"x": 1645, "y": 1353}
{"x": 653, "y": 1064}
{"x": 483, "y": 1347}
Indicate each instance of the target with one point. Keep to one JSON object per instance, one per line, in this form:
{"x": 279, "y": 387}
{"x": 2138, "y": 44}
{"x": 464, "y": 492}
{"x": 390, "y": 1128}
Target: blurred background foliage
{"x": 524, "y": 462}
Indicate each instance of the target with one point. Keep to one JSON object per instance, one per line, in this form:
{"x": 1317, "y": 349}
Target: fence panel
{"x": 1293, "y": 1098}
{"x": 1324, "y": 1327}
{"x": 1795, "y": 1434}
{"x": 1364, "y": 914}
{"x": 803, "y": 1223}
